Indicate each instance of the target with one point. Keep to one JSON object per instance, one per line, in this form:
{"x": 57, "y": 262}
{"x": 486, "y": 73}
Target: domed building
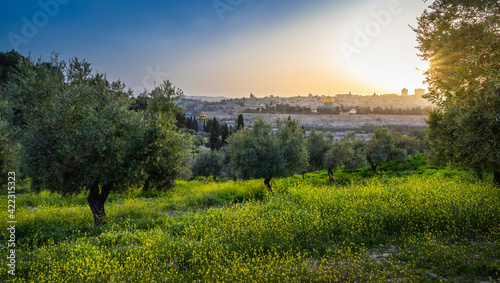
{"x": 202, "y": 117}
{"x": 329, "y": 102}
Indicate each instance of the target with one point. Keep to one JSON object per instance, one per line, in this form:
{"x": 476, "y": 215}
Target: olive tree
{"x": 358, "y": 146}
{"x": 9, "y": 151}
{"x": 349, "y": 152}
{"x": 261, "y": 153}
{"x": 380, "y": 148}
{"x": 209, "y": 163}
{"x": 338, "y": 155}
{"x": 293, "y": 143}
{"x": 79, "y": 134}
{"x": 166, "y": 150}
{"x": 318, "y": 143}
{"x": 460, "y": 39}
{"x": 386, "y": 147}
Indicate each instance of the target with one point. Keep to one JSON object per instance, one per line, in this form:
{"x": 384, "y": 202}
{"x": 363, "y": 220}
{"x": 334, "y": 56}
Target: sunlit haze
{"x": 229, "y": 48}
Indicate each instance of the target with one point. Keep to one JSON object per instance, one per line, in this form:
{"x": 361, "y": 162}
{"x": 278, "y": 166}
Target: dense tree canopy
{"x": 326, "y": 153}
{"x": 78, "y": 131}
{"x": 461, "y": 41}
{"x": 209, "y": 163}
{"x": 8, "y": 62}
{"x": 292, "y": 141}
{"x": 165, "y": 148}
{"x": 318, "y": 144}
{"x": 337, "y": 156}
{"x": 261, "y": 153}
{"x": 386, "y": 147}
{"x": 379, "y": 148}
{"x": 358, "y": 145}
{"x": 9, "y": 150}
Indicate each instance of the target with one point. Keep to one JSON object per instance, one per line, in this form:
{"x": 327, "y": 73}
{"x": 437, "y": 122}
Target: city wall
{"x": 331, "y": 122}
{"x": 322, "y": 118}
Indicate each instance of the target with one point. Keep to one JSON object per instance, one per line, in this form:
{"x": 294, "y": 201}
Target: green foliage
{"x": 80, "y": 130}
{"x": 209, "y": 163}
{"x": 198, "y": 140}
{"x": 325, "y": 153}
{"x": 338, "y": 155}
{"x": 188, "y": 195}
{"x": 391, "y": 147}
{"x": 379, "y": 148}
{"x": 77, "y": 131}
{"x": 240, "y": 123}
{"x": 8, "y": 62}
{"x": 379, "y": 230}
{"x": 318, "y": 144}
{"x": 460, "y": 40}
{"x": 256, "y": 153}
{"x": 215, "y": 141}
{"x": 9, "y": 152}
{"x": 166, "y": 151}
{"x": 261, "y": 153}
{"x": 358, "y": 146}
{"x": 162, "y": 100}
{"x": 140, "y": 103}
{"x": 218, "y": 134}
{"x": 292, "y": 141}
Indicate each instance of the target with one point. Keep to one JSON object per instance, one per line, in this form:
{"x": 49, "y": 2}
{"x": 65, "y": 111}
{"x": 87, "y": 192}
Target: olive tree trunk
{"x": 373, "y": 164}
{"x": 267, "y": 182}
{"x": 330, "y": 175}
{"x": 96, "y": 199}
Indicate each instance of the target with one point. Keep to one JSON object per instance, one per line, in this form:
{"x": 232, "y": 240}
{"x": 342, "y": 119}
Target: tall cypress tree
{"x": 240, "y": 123}
{"x": 195, "y": 125}
{"x": 224, "y": 135}
{"x": 189, "y": 123}
{"x": 215, "y": 142}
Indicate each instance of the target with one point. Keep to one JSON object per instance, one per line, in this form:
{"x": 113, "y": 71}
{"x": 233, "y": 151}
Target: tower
{"x": 419, "y": 91}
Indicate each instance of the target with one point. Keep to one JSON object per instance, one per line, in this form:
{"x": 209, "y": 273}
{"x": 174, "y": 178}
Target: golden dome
{"x": 328, "y": 100}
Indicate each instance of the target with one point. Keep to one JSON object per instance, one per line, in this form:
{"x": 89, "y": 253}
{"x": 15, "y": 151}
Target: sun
{"x": 423, "y": 66}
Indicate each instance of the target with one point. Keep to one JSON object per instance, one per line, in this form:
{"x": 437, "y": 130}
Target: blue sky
{"x": 227, "y": 47}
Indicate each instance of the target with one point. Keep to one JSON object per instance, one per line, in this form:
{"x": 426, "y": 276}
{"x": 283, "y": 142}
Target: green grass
{"x": 421, "y": 227}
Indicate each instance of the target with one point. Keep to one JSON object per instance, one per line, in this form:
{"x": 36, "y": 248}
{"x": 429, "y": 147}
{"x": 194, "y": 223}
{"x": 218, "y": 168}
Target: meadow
{"x": 427, "y": 226}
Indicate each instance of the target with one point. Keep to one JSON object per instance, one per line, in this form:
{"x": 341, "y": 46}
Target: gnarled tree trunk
{"x": 267, "y": 182}
{"x": 330, "y": 175}
{"x": 372, "y": 164}
{"x": 96, "y": 199}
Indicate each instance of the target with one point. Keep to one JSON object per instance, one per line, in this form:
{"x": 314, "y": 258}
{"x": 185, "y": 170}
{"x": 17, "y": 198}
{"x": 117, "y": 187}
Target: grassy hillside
{"x": 398, "y": 229}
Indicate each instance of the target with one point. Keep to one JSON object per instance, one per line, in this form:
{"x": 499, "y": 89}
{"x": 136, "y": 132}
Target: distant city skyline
{"x": 229, "y": 48}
